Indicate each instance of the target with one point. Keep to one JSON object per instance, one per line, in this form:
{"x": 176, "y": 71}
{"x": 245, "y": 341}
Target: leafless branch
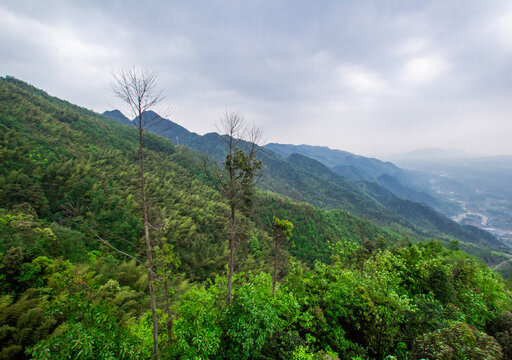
{"x": 232, "y": 127}
{"x": 255, "y": 137}
{"x": 137, "y": 88}
{"x": 114, "y": 248}
{"x": 154, "y": 227}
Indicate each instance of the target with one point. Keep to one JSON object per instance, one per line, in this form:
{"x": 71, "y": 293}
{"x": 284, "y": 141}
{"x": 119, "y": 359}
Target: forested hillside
{"x": 356, "y": 167}
{"x": 305, "y": 179}
{"x": 73, "y": 284}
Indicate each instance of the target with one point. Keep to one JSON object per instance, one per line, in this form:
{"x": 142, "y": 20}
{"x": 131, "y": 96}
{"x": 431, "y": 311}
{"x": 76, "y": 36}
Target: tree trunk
{"x": 168, "y": 310}
{"x": 363, "y": 249}
{"x": 149, "y": 255}
{"x": 231, "y": 255}
{"x": 362, "y": 258}
{"x": 275, "y": 268}
{"x": 232, "y": 220}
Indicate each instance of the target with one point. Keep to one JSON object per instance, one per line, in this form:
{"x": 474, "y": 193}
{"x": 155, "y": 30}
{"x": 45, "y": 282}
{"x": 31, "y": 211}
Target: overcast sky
{"x": 370, "y": 77}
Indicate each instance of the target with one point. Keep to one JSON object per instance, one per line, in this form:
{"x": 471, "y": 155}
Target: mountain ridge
{"x": 325, "y": 188}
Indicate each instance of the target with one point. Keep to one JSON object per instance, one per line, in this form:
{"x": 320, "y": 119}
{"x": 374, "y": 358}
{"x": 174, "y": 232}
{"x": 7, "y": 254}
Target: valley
{"x": 481, "y": 221}
{"x": 475, "y": 190}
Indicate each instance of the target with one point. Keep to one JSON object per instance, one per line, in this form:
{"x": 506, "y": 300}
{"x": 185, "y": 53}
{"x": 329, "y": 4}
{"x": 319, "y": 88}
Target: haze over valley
{"x": 480, "y": 187}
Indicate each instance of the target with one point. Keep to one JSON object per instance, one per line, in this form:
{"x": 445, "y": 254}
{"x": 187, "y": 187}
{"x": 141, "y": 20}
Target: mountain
{"x": 118, "y": 116}
{"x": 348, "y": 165}
{"x": 360, "y": 168}
{"x": 76, "y": 172}
{"x": 70, "y": 244}
{"x": 283, "y": 176}
{"x": 308, "y": 180}
{"x": 473, "y": 191}
{"x": 168, "y": 129}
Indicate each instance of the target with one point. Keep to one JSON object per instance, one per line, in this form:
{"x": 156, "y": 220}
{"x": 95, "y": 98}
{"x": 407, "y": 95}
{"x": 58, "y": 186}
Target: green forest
{"x": 74, "y": 279}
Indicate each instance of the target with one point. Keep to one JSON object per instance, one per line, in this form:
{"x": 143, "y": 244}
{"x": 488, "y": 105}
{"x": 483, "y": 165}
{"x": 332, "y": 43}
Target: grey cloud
{"x": 364, "y": 76}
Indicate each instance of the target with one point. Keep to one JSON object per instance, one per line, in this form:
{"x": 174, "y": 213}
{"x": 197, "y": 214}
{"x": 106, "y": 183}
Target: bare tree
{"x": 138, "y": 88}
{"x": 237, "y": 180}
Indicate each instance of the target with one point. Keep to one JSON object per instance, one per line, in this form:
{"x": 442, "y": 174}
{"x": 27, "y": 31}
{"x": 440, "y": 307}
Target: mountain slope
{"x": 118, "y": 116}
{"x": 360, "y": 168}
{"x": 282, "y": 176}
{"x": 306, "y": 179}
{"x": 351, "y": 166}
{"x": 77, "y": 171}
{"x": 69, "y": 175}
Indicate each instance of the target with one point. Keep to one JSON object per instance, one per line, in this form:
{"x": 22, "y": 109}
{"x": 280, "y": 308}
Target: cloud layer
{"x": 367, "y": 77}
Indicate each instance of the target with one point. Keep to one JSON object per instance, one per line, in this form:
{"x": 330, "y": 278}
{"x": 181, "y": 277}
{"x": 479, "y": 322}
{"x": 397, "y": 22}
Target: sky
{"x": 370, "y": 77}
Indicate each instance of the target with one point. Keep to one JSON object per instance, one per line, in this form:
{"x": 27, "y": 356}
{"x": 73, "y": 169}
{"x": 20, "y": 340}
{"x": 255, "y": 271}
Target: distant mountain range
{"x": 361, "y": 169}
{"x": 334, "y": 179}
{"x": 351, "y": 166}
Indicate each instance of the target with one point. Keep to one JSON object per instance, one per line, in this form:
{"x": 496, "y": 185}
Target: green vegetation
{"x": 346, "y": 289}
{"x": 305, "y": 179}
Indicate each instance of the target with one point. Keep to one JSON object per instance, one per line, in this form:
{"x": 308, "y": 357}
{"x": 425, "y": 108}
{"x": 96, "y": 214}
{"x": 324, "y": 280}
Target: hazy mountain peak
{"x": 118, "y": 116}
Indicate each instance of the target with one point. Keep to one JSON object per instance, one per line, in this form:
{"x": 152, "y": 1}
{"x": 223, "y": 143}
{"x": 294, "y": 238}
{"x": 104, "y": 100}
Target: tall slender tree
{"x": 139, "y": 89}
{"x": 237, "y": 180}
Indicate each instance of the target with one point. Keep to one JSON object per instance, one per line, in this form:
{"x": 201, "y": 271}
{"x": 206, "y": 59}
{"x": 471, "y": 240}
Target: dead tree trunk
{"x": 149, "y": 255}
{"x": 137, "y": 88}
